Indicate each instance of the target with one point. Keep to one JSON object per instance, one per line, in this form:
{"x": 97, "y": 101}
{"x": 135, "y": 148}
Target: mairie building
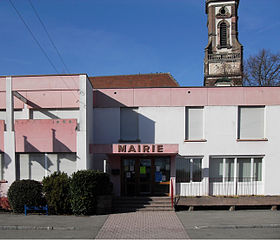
{"x": 147, "y": 132}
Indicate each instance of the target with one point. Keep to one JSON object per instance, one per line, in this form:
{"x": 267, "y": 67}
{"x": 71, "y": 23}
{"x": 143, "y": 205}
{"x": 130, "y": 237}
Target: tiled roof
{"x": 134, "y": 81}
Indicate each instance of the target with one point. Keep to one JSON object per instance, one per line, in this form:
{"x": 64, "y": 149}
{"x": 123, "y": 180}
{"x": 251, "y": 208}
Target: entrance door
{"x": 145, "y": 176}
{"x": 130, "y": 176}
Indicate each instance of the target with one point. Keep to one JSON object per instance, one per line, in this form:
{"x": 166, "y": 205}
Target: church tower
{"x": 223, "y": 62}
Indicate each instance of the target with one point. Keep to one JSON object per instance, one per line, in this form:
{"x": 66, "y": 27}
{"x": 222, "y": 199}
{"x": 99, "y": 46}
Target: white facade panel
{"x": 55, "y": 114}
{"x": 167, "y": 125}
{"x": 106, "y": 125}
{"x": 164, "y": 124}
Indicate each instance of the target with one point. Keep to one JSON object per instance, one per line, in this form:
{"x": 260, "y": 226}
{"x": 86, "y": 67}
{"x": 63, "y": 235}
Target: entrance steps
{"x": 133, "y": 204}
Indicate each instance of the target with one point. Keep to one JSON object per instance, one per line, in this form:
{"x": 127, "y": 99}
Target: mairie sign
{"x": 140, "y": 148}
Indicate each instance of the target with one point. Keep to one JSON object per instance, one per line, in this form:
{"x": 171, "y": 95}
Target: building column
{"x": 252, "y": 181}
{"x": 82, "y": 145}
{"x": 235, "y": 176}
{"x": 173, "y": 174}
{"x": 9, "y": 136}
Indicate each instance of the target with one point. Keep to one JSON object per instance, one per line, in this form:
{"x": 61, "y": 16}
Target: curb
{"x": 237, "y": 226}
{"x": 19, "y": 227}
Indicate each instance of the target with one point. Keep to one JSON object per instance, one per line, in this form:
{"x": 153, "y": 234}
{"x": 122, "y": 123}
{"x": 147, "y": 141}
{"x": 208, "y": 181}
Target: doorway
{"x": 145, "y": 176}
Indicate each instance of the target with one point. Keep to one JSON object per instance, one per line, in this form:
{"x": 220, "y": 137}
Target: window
{"x": 129, "y": 124}
{"x": 251, "y": 123}
{"x": 223, "y": 34}
{"x": 188, "y": 169}
{"x": 38, "y": 165}
{"x": 194, "y": 123}
{"x": 1, "y": 166}
{"x": 244, "y": 169}
{"x": 258, "y": 169}
{"x": 220, "y": 173}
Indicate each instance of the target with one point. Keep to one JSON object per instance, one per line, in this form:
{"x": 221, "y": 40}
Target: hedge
{"x": 56, "y": 189}
{"x": 85, "y": 186}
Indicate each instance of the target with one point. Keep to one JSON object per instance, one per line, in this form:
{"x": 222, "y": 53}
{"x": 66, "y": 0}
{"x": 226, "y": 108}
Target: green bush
{"x": 57, "y": 193}
{"x": 25, "y": 192}
{"x": 85, "y": 186}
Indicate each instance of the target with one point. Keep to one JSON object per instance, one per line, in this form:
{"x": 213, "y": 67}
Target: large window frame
{"x": 189, "y": 169}
{"x": 237, "y": 168}
{"x": 248, "y": 128}
{"x": 194, "y": 124}
{"x": 46, "y": 164}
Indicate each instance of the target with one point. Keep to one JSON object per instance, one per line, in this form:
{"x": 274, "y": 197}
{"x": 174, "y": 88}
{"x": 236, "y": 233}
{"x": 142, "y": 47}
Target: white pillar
{"x": 82, "y": 144}
{"x": 252, "y": 177}
{"x": 105, "y": 166}
{"x": 9, "y": 136}
{"x": 235, "y": 176}
{"x": 224, "y": 178}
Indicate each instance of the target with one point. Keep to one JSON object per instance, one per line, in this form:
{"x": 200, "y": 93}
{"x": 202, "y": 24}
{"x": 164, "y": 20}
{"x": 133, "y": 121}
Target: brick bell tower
{"x": 223, "y": 62}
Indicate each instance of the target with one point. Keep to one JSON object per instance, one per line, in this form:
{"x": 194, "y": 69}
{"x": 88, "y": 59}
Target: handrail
{"x": 171, "y": 183}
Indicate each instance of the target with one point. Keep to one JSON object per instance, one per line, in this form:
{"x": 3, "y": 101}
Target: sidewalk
{"x": 143, "y": 225}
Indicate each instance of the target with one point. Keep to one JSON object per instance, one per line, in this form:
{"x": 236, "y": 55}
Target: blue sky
{"x": 112, "y": 37}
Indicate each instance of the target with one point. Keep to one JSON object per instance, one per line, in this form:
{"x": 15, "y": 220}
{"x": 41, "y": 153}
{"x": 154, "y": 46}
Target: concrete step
{"x": 133, "y": 204}
{"x": 146, "y": 209}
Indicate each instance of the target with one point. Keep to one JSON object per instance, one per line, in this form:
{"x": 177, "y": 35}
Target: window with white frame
{"x": 188, "y": 169}
{"x": 194, "y": 123}
{"x": 38, "y": 165}
{"x": 247, "y": 169}
{"x": 129, "y": 124}
{"x": 251, "y": 123}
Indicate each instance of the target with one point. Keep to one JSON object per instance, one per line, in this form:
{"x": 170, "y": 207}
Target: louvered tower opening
{"x": 223, "y": 34}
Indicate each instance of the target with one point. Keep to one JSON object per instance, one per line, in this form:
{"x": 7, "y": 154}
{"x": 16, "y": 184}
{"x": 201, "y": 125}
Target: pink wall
{"x": 44, "y": 91}
{"x": 2, "y": 122}
{"x": 43, "y": 82}
{"x": 57, "y": 135}
{"x": 185, "y": 96}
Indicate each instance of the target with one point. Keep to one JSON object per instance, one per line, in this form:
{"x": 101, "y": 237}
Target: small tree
{"x": 262, "y": 69}
{"x": 85, "y": 187}
{"x": 25, "y": 192}
{"x": 56, "y": 188}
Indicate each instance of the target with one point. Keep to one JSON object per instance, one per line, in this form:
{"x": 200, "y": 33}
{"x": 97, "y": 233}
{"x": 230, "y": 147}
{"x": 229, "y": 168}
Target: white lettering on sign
{"x": 139, "y": 148}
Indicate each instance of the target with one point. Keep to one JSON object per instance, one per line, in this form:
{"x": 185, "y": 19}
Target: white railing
{"x": 221, "y": 187}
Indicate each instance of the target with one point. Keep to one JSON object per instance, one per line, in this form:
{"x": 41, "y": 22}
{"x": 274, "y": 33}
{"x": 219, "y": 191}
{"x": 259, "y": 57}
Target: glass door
{"x": 129, "y": 177}
{"x": 162, "y": 176}
{"x": 145, "y": 176}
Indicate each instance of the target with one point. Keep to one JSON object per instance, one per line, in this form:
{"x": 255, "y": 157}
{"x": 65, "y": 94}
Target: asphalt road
{"x": 50, "y": 227}
{"x": 245, "y": 224}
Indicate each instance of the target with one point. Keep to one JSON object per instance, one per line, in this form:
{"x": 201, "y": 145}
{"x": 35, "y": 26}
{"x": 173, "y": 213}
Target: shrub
{"x": 57, "y": 193}
{"x": 4, "y": 203}
{"x": 85, "y": 186}
{"x": 25, "y": 192}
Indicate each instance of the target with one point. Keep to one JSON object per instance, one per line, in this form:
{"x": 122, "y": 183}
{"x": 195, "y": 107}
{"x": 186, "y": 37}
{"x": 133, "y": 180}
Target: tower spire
{"x": 223, "y": 62}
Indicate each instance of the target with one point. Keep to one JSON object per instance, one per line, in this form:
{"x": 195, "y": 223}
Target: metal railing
{"x": 172, "y": 193}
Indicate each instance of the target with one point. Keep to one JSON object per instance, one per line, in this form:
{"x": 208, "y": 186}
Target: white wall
{"x": 106, "y": 125}
{"x": 166, "y": 125}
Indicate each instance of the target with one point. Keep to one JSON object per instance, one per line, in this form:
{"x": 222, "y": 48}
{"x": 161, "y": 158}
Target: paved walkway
{"x": 143, "y": 225}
